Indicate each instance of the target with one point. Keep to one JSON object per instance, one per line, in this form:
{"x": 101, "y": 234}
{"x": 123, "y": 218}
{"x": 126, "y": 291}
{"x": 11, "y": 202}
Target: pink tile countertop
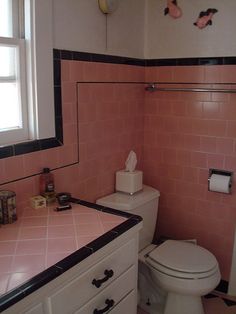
{"x": 43, "y": 237}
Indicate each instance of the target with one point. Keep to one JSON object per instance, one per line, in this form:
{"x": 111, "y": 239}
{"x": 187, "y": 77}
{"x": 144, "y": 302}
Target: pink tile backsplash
{"x": 177, "y": 137}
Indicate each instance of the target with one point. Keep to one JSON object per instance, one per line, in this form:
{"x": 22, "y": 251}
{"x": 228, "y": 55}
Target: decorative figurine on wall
{"x": 205, "y": 18}
{"x": 172, "y": 9}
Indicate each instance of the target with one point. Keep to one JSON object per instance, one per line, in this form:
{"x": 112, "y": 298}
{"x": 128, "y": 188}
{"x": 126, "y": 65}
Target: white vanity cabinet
{"x": 104, "y": 282}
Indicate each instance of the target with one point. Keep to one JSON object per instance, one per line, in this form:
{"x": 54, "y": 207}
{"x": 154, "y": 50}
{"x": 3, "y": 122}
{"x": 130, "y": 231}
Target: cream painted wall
{"x": 169, "y": 38}
{"x": 79, "y": 25}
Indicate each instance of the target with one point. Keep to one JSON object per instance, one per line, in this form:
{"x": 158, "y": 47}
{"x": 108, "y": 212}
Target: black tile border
{"x": 41, "y": 279}
{"x": 222, "y": 286}
{"x": 191, "y": 61}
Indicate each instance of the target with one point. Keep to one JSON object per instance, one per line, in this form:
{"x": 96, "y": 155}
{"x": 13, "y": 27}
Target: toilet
{"x": 173, "y": 275}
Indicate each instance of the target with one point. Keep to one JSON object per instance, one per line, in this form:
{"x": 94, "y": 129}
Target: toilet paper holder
{"x": 220, "y": 172}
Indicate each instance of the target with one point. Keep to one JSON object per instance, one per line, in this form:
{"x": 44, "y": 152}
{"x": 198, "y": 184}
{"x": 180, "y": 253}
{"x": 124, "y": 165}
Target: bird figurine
{"x": 205, "y": 18}
{"x": 173, "y": 9}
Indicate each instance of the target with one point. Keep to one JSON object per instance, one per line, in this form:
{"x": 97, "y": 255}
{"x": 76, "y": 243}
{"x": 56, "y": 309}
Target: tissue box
{"x": 129, "y": 182}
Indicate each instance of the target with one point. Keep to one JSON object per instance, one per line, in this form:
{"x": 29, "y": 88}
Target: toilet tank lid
{"x": 126, "y": 202}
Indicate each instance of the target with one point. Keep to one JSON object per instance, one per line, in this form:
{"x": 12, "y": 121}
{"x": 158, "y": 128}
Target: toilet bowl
{"x": 185, "y": 272}
{"x": 174, "y": 275}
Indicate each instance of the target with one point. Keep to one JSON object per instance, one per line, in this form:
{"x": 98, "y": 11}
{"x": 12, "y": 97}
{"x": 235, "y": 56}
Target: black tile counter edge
{"x": 104, "y": 209}
{"x": 68, "y": 262}
{"x": 95, "y": 57}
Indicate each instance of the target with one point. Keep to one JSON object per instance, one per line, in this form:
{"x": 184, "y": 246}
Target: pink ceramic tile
{"x": 60, "y": 220}
{"x": 5, "y": 263}
{"x": 208, "y": 144}
{"x": 8, "y": 233}
{"x": 65, "y": 70}
{"x": 89, "y": 229}
{"x": 30, "y": 212}
{"x": 61, "y": 245}
{"x": 14, "y": 167}
{"x": 215, "y": 161}
{"x": 211, "y": 110}
{"x": 28, "y": 233}
{"x": 61, "y": 231}
{"x": 7, "y": 247}
{"x": 217, "y": 128}
{"x": 198, "y": 160}
{"x": 68, "y": 92}
{"x": 28, "y": 247}
{"x": 224, "y": 145}
{"x": 194, "y": 109}
{"x": 4, "y": 278}
{"x": 32, "y": 163}
{"x": 188, "y": 74}
{"x": 190, "y": 174}
{"x": 86, "y": 218}
{"x": 192, "y": 142}
{"x": 34, "y": 221}
{"x": 28, "y": 263}
{"x": 212, "y": 74}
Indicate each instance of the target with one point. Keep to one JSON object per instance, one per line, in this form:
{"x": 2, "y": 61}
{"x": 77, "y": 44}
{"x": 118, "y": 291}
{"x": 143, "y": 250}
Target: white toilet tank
{"x": 143, "y": 203}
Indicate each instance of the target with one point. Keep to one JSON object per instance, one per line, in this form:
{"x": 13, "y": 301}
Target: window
{"x": 26, "y": 71}
{"x": 13, "y": 111}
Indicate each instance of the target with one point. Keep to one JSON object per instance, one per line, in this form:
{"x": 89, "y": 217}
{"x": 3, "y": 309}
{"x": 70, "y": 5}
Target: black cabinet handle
{"x": 109, "y": 304}
{"x": 98, "y": 282}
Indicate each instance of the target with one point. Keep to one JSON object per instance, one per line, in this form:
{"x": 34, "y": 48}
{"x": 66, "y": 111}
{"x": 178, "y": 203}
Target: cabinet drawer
{"x": 81, "y": 289}
{"x": 115, "y": 291}
{"x": 127, "y": 305}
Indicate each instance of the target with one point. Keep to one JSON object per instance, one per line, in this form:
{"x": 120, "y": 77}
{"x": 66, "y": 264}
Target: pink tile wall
{"x": 110, "y": 122}
{"x": 185, "y": 134}
{"x": 110, "y": 125}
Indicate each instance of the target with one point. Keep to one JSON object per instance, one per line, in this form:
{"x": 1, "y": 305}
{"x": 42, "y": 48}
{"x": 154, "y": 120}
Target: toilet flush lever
{"x": 98, "y": 282}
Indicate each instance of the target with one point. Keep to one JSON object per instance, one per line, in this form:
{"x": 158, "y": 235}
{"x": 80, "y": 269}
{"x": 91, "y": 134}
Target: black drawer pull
{"x": 109, "y": 304}
{"x": 98, "y": 282}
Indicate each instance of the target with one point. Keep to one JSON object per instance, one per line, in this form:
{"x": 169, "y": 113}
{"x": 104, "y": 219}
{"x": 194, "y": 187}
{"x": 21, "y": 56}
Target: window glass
{"x": 9, "y": 107}
{"x": 6, "y": 25}
{"x": 7, "y": 61}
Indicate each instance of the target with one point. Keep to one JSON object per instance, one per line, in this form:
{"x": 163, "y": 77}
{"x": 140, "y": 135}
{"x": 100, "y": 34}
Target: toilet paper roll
{"x": 219, "y": 183}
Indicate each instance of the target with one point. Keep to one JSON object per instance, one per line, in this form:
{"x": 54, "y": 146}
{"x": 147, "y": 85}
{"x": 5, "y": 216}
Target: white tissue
{"x": 131, "y": 162}
{"x": 219, "y": 183}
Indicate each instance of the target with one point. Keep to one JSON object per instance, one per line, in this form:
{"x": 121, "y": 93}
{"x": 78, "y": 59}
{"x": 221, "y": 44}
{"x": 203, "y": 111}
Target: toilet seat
{"x": 182, "y": 260}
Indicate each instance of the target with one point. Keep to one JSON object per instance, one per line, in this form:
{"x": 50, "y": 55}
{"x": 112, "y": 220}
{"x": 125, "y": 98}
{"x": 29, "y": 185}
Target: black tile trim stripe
{"x": 222, "y": 286}
{"x": 191, "y": 61}
{"x": 94, "y": 57}
{"x": 68, "y": 262}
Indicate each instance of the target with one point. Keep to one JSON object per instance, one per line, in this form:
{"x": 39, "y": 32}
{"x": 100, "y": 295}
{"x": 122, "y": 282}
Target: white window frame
{"x": 36, "y": 81}
{"x": 39, "y": 52}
